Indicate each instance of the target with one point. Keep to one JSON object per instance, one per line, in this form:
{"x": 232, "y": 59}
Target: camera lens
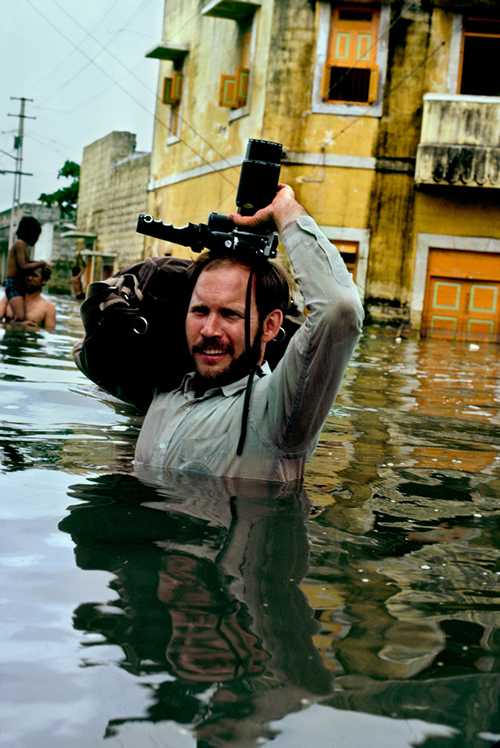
{"x": 259, "y": 176}
{"x": 264, "y": 150}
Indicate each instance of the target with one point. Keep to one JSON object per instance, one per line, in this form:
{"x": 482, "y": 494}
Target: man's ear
{"x": 271, "y": 325}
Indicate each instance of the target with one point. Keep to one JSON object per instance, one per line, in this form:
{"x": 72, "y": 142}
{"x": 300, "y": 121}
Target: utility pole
{"x": 18, "y": 173}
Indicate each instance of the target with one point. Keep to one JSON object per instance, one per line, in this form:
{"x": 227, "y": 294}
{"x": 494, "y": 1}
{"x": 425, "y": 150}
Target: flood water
{"x": 362, "y": 610}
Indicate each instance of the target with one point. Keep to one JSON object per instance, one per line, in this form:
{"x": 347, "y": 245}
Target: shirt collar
{"x": 227, "y": 390}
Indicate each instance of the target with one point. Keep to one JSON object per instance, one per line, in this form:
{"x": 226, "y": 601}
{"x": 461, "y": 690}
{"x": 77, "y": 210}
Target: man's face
{"x": 33, "y": 280}
{"x": 215, "y": 325}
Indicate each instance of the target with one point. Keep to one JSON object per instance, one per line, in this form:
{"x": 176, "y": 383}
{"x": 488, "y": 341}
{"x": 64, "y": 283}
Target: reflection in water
{"x": 242, "y": 618}
{"x": 406, "y": 538}
{"x": 207, "y": 573}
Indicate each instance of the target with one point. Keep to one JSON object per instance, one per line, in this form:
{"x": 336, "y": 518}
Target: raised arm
{"x": 307, "y": 380}
{"x": 20, "y": 252}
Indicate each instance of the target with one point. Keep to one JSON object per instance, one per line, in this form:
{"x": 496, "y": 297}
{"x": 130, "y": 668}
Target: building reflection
{"x": 404, "y": 536}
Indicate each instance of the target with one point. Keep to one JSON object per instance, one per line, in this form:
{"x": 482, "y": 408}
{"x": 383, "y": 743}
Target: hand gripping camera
{"x": 257, "y": 188}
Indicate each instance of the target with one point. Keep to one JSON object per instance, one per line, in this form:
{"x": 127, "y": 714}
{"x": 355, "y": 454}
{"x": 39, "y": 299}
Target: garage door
{"x": 462, "y": 299}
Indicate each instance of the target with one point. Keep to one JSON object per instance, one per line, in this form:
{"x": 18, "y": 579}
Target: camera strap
{"x": 248, "y": 347}
{"x": 248, "y": 308}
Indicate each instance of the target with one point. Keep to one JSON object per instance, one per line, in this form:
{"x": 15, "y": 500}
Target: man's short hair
{"x": 273, "y": 284}
{"x": 46, "y": 272}
{"x": 29, "y": 230}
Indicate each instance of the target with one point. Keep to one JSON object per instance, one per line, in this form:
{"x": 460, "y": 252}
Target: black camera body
{"x": 259, "y": 176}
{"x": 257, "y": 188}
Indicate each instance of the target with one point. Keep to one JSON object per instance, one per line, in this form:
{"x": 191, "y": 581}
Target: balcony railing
{"x": 460, "y": 141}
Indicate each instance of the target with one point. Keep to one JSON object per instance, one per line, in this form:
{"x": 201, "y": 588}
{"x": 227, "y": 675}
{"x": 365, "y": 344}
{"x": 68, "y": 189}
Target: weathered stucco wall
{"x": 128, "y": 198}
{"x": 207, "y": 135}
{"x": 211, "y": 133}
{"x": 289, "y": 72}
{"x": 451, "y": 212}
{"x": 113, "y": 191}
{"x": 391, "y": 202}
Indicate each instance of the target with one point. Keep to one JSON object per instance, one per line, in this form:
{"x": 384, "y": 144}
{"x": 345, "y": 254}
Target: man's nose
{"x": 211, "y": 326}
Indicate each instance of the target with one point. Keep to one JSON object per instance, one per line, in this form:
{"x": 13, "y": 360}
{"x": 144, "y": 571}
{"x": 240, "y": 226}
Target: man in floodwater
{"x": 18, "y": 264}
{"x": 232, "y": 416}
{"x": 76, "y": 282}
{"x": 39, "y": 311}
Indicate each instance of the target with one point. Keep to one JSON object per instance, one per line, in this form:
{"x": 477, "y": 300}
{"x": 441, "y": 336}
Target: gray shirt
{"x": 289, "y": 405}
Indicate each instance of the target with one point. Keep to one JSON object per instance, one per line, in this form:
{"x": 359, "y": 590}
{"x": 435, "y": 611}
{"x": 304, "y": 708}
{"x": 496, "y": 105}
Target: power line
{"x": 63, "y": 62}
{"x": 88, "y": 34}
{"x": 131, "y": 72}
{"x": 139, "y": 103}
{"x": 51, "y": 144}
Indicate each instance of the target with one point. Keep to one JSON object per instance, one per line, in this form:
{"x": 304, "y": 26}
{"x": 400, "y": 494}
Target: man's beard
{"x": 239, "y": 367}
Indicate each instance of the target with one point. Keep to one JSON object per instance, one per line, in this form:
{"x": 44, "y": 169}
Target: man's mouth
{"x": 210, "y": 352}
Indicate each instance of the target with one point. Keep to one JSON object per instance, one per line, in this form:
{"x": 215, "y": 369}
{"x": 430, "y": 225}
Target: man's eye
{"x": 231, "y": 314}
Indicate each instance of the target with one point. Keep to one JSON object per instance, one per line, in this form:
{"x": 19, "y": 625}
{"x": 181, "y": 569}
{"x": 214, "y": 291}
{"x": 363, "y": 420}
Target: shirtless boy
{"x": 76, "y": 282}
{"x": 39, "y": 312}
{"x": 18, "y": 262}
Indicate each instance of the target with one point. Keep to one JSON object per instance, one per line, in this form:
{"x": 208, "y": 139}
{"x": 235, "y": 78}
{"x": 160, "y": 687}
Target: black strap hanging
{"x": 248, "y": 348}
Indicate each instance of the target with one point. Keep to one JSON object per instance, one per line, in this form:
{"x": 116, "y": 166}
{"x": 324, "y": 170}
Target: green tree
{"x": 66, "y": 197}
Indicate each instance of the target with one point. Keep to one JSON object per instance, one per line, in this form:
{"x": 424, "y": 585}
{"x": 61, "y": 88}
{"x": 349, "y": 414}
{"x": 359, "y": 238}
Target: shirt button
{"x": 162, "y": 445}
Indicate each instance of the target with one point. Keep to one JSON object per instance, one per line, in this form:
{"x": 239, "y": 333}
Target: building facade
{"x": 113, "y": 191}
{"x": 388, "y": 115}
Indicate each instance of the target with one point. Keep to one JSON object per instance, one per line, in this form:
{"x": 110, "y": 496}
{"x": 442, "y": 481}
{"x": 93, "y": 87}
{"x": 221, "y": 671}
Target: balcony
{"x": 460, "y": 141}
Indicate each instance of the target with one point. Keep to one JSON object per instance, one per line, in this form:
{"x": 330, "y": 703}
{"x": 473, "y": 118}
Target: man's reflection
{"x": 207, "y": 573}
{"x": 210, "y": 636}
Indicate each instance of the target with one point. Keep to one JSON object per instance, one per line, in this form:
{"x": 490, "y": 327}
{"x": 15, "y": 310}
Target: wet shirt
{"x": 289, "y": 405}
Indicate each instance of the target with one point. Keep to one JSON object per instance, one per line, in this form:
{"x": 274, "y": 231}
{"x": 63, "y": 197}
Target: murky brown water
{"x": 361, "y": 611}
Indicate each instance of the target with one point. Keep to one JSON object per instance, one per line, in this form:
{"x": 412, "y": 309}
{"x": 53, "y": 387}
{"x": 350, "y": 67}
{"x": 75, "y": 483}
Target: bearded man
{"x": 233, "y": 416}
{"x": 38, "y": 311}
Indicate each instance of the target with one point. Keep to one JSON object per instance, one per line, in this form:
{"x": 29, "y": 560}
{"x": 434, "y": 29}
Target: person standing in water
{"x": 76, "y": 282}
{"x": 39, "y": 311}
{"x": 18, "y": 263}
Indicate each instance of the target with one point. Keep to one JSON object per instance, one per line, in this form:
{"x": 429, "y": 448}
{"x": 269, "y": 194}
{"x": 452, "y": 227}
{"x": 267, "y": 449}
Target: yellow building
{"x": 389, "y": 118}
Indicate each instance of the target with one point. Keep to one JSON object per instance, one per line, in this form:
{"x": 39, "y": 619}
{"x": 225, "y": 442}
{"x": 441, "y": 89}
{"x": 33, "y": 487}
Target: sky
{"x": 83, "y": 64}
